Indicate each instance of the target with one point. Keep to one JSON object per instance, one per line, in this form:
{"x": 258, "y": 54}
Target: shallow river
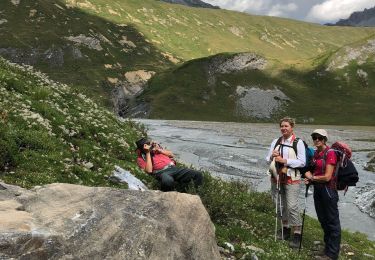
{"x": 236, "y": 151}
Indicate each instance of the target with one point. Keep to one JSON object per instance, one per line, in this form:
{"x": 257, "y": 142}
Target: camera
{"x": 153, "y": 146}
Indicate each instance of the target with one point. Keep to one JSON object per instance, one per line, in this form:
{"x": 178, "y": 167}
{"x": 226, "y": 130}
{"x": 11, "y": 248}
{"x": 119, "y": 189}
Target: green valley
{"x": 93, "y": 44}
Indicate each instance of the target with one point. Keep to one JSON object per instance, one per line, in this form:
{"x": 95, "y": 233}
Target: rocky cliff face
{"x": 192, "y": 3}
{"x": 63, "y": 221}
{"x": 234, "y": 63}
{"x": 363, "y": 18}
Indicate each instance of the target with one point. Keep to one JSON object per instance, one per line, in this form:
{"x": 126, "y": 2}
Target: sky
{"x": 317, "y": 11}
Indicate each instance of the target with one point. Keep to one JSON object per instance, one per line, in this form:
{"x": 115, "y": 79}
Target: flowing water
{"x": 236, "y": 151}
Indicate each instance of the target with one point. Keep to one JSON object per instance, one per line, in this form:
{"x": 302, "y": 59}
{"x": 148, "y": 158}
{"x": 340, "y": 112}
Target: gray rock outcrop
{"x": 126, "y": 91}
{"x": 64, "y": 221}
{"x": 238, "y": 62}
{"x": 365, "y": 199}
{"x": 53, "y": 56}
{"x": 259, "y": 103}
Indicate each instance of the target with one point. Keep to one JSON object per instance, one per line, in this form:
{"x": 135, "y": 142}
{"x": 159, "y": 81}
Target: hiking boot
{"x": 296, "y": 240}
{"x": 286, "y": 232}
{"x": 320, "y": 252}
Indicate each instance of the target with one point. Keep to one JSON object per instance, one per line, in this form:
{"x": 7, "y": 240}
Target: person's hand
{"x": 275, "y": 153}
{"x": 146, "y": 148}
{"x": 308, "y": 177}
{"x": 280, "y": 159}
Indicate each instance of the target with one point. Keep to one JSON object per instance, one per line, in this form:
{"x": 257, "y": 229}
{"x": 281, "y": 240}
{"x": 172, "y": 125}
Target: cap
{"x": 321, "y": 132}
{"x": 141, "y": 142}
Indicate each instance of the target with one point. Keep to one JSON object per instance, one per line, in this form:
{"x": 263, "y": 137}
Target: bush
{"x": 7, "y": 148}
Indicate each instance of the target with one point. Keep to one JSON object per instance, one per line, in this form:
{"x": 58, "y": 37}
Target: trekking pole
{"x": 303, "y": 217}
{"x": 281, "y": 212}
{"x": 276, "y": 206}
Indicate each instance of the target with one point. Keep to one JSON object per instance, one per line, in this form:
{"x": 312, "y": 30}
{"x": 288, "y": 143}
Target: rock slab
{"x": 65, "y": 221}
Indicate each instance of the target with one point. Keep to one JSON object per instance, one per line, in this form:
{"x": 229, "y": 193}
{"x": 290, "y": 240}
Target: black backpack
{"x": 346, "y": 173}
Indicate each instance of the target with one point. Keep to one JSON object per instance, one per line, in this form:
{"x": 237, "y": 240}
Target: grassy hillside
{"x": 73, "y": 46}
{"x": 159, "y": 31}
{"x": 189, "y": 33}
{"x": 51, "y": 133}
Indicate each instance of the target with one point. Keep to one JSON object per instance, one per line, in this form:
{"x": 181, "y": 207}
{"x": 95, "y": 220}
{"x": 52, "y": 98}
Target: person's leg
{"x": 284, "y": 205}
{"x": 281, "y": 214}
{"x": 320, "y": 206}
{"x": 333, "y": 224}
{"x": 294, "y": 217}
{"x": 184, "y": 176}
{"x": 166, "y": 180}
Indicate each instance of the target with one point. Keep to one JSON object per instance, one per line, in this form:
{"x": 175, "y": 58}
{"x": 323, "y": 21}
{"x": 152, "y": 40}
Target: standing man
{"x": 284, "y": 160}
{"x": 159, "y": 162}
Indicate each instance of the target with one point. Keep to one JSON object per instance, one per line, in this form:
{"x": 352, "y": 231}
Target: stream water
{"x": 236, "y": 151}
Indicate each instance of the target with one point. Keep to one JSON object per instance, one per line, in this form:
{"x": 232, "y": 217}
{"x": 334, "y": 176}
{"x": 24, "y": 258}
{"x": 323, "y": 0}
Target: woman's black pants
{"x": 325, "y": 200}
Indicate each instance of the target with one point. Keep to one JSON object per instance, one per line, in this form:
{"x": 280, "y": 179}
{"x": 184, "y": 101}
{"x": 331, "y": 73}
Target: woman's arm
{"x": 327, "y": 174}
{"x": 323, "y": 178}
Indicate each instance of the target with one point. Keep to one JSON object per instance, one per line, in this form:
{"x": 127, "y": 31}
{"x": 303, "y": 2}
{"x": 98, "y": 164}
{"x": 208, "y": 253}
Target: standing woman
{"x": 325, "y": 194}
{"x": 287, "y": 181}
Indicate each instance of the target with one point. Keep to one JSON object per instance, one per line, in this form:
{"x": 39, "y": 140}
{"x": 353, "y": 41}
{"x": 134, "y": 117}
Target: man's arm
{"x": 148, "y": 167}
{"x": 159, "y": 149}
{"x": 166, "y": 152}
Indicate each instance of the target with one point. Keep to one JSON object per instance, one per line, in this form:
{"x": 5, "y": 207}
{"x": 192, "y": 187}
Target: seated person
{"x": 155, "y": 160}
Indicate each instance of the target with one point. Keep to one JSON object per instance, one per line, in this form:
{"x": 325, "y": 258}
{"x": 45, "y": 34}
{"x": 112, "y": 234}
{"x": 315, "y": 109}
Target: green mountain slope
{"x": 189, "y": 33}
{"x": 92, "y": 44}
{"x": 74, "y": 47}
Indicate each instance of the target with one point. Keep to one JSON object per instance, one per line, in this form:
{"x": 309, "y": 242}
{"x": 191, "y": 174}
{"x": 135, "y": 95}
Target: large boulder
{"x": 64, "y": 221}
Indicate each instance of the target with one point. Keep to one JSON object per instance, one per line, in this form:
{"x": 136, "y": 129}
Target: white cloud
{"x": 333, "y": 10}
{"x": 282, "y": 10}
{"x": 320, "y": 11}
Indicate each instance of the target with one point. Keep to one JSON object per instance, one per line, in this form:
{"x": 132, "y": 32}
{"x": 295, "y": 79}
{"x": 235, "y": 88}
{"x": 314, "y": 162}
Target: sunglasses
{"x": 315, "y": 137}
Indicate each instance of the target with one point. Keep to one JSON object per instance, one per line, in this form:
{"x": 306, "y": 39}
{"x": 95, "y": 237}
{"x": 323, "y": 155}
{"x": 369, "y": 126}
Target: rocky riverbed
{"x": 236, "y": 151}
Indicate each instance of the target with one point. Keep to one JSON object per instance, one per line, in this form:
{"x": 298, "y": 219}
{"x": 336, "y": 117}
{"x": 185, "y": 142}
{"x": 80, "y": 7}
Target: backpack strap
{"x": 337, "y": 167}
{"x": 295, "y": 142}
{"x": 278, "y": 142}
{"x": 294, "y": 146}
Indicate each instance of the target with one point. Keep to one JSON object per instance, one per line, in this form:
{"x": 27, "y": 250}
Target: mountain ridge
{"x": 360, "y": 18}
{"x": 192, "y": 3}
